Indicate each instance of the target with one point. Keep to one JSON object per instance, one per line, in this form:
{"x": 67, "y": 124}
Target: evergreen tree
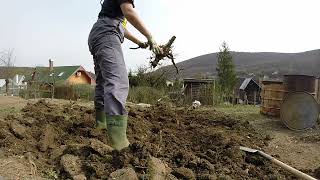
{"x": 226, "y": 71}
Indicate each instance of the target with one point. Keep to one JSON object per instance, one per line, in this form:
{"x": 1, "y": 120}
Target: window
{"x": 61, "y": 74}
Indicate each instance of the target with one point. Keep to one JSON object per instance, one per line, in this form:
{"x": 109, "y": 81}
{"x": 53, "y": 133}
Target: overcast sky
{"x": 41, "y": 29}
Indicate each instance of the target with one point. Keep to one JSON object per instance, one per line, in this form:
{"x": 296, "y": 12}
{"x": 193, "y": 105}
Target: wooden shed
{"x": 247, "y": 91}
{"x": 193, "y": 88}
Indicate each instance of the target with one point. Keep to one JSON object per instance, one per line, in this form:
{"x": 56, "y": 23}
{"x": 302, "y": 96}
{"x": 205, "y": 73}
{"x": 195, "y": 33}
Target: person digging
{"x": 112, "y": 83}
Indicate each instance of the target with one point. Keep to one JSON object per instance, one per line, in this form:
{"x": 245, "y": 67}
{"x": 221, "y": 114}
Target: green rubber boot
{"x": 101, "y": 122}
{"x": 117, "y": 131}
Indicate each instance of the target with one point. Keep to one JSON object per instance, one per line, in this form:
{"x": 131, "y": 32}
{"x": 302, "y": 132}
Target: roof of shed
{"x": 198, "y": 80}
{"x": 246, "y": 82}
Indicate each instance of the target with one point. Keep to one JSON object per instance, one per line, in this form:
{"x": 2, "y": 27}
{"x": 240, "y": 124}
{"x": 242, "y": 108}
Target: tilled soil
{"x": 61, "y": 142}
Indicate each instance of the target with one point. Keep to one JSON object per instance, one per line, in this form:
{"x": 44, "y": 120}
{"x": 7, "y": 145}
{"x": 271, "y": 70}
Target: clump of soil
{"x": 317, "y": 172}
{"x": 194, "y": 144}
{"x": 313, "y": 138}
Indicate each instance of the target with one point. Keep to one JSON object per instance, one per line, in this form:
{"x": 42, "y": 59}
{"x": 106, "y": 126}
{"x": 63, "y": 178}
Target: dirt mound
{"x": 194, "y": 144}
{"x": 17, "y": 168}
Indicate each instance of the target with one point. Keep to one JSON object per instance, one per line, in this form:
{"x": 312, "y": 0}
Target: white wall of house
{"x": 2, "y": 86}
{"x": 15, "y": 85}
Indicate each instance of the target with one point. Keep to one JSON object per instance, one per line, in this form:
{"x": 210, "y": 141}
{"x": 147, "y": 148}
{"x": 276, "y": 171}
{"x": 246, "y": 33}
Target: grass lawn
{"x": 245, "y": 112}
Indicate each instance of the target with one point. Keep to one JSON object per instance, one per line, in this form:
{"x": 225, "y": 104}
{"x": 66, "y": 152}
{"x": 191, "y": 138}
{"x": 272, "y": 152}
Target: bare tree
{"x": 7, "y": 61}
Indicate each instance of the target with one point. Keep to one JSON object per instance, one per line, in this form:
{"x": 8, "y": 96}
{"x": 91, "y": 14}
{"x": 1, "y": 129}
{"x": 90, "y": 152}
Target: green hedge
{"x": 74, "y": 92}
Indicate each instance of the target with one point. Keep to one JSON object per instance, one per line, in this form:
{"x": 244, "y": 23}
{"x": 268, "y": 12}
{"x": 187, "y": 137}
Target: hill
{"x": 260, "y": 64}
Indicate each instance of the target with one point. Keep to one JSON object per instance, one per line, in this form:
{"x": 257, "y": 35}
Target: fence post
{"x": 255, "y": 97}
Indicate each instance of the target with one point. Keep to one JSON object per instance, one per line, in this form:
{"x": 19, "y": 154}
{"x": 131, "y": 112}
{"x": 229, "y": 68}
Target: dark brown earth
{"x": 62, "y": 143}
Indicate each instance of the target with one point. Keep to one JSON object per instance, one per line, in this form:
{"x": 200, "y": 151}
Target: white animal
{"x": 196, "y": 104}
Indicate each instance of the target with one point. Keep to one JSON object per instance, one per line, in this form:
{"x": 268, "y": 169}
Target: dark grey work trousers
{"x": 112, "y": 84}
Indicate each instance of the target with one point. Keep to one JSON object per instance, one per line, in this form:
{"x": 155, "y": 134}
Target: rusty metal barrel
{"x": 272, "y": 93}
{"x": 299, "y": 111}
{"x": 300, "y": 108}
{"x": 301, "y": 83}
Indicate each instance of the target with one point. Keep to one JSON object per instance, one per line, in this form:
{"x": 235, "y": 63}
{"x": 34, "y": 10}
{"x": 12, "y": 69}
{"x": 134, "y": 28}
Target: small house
{"x": 59, "y": 82}
{"x": 247, "y": 91}
{"x": 61, "y": 75}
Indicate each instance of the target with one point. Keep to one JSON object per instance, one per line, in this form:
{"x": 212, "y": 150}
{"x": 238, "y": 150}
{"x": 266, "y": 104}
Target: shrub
{"x": 144, "y": 94}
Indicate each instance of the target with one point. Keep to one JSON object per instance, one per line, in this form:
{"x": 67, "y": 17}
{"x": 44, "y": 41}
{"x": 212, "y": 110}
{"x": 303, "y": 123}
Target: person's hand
{"x": 143, "y": 45}
{"x": 154, "y": 47}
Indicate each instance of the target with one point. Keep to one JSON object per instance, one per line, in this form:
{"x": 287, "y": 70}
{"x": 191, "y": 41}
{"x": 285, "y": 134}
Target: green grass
{"x": 9, "y": 110}
{"x": 4, "y": 111}
{"x": 246, "y": 112}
